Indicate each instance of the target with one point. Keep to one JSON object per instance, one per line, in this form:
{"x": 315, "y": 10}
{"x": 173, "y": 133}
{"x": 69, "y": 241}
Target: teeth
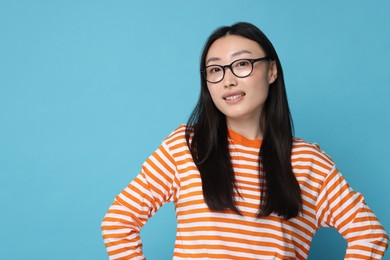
{"x": 233, "y": 97}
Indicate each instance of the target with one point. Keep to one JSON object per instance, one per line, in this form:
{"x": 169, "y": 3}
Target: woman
{"x": 243, "y": 186}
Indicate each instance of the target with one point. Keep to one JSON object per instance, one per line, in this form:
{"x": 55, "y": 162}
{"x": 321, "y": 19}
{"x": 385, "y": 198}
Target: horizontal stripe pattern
{"x": 170, "y": 175}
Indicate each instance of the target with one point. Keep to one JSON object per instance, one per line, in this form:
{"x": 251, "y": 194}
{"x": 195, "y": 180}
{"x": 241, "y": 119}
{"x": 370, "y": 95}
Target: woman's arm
{"x": 156, "y": 184}
{"x": 340, "y": 207}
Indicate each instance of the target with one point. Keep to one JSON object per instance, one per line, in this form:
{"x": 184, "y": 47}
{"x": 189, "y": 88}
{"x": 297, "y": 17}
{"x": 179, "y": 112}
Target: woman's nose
{"x": 230, "y": 80}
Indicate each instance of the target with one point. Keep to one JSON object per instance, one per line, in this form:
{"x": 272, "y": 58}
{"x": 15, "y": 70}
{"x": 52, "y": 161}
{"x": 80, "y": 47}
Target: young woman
{"x": 243, "y": 186}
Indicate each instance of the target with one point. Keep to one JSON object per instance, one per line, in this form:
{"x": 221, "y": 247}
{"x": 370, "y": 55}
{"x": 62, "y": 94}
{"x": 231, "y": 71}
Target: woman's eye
{"x": 215, "y": 70}
{"x": 242, "y": 63}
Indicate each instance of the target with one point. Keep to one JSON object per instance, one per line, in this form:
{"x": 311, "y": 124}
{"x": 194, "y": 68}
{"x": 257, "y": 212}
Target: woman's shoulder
{"x": 177, "y": 136}
{"x": 310, "y": 151}
{"x": 301, "y": 143}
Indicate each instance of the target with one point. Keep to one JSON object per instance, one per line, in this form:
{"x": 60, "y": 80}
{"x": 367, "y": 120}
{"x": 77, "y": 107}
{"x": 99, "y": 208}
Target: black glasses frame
{"x": 252, "y": 61}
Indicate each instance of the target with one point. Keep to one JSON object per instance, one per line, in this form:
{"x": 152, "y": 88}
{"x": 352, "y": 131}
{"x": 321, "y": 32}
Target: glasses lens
{"x": 214, "y": 73}
{"x": 242, "y": 68}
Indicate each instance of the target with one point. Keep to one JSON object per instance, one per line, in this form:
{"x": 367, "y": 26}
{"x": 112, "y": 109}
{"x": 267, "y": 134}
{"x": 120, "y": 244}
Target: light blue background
{"x": 88, "y": 90}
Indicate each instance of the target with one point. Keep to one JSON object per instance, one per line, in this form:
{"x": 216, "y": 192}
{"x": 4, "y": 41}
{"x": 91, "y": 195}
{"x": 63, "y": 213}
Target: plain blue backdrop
{"x": 88, "y": 90}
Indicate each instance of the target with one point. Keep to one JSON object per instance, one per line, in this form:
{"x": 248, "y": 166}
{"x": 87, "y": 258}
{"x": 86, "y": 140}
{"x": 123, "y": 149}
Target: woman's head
{"x": 241, "y": 91}
{"x": 254, "y": 45}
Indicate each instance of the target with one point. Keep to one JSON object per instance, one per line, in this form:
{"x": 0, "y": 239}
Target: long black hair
{"x": 207, "y": 137}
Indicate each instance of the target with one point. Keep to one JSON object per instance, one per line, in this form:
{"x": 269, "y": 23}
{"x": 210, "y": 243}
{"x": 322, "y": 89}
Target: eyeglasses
{"x": 240, "y": 68}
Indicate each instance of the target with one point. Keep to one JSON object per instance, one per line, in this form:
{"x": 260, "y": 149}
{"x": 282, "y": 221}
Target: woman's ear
{"x": 272, "y": 72}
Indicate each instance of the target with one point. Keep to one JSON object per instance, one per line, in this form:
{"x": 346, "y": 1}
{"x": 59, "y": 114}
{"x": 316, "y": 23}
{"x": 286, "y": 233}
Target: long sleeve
{"x": 340, "y": 207}
{"x": 156, "y": 184}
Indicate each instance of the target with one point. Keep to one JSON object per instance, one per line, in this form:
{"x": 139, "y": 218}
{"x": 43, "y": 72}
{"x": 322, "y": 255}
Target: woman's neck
{"x": 248, "y": 129}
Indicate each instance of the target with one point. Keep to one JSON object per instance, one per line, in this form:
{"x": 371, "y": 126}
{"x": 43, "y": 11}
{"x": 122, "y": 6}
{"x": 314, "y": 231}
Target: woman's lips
{"x": 233, "y": 96}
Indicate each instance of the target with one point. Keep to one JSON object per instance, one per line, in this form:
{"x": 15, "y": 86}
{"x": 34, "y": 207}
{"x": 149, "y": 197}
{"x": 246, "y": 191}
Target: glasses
{"x": 240, "y": 68}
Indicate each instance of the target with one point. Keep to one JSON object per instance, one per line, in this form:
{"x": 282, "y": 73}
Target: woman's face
{"x": 240, "y": 99}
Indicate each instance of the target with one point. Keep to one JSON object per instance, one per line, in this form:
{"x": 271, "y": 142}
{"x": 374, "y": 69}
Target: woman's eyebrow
{"x": 233, "y": 55}
{"x": 212, "y": 59}
{"x": 240, "y": 52}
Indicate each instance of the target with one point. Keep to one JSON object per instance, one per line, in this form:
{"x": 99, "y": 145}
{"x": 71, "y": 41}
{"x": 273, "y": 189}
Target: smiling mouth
{"x": 234, "y": 97}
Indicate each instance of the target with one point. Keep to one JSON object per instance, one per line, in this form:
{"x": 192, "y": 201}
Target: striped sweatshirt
{"x": 170, "y": 175}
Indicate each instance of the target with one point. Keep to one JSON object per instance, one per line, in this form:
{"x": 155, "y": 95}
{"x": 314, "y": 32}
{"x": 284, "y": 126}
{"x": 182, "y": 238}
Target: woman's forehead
{"x": 231, "y": 46}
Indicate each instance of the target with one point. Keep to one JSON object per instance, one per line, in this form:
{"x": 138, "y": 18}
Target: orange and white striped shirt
{"x": 170, "y": 175}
